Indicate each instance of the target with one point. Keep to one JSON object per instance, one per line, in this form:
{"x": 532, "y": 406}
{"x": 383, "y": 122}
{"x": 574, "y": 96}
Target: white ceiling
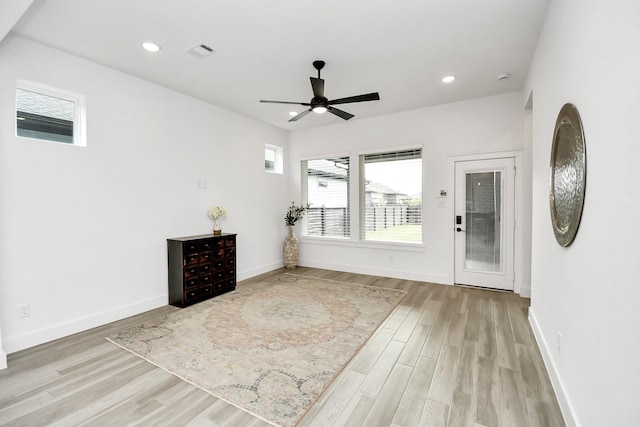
{"x": 264, "y": 49}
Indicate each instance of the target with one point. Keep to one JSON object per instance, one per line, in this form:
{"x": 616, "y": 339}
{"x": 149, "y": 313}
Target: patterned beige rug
{"x": 269, "y": 348}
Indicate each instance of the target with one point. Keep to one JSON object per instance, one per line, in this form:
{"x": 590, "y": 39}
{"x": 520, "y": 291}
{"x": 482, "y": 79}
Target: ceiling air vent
{"x": 201, "y": 50}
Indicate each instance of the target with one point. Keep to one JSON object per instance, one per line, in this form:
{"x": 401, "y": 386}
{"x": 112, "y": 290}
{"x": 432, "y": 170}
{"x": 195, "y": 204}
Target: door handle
{"x": 459, "y": 229}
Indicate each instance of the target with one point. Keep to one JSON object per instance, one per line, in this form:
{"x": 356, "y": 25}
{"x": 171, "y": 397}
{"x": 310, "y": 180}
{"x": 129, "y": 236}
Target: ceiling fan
{"x": 320, "y": 104}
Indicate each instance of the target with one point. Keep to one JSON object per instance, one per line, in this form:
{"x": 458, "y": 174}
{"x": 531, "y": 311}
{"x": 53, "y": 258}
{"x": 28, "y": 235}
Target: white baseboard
{"x": 525, "y": 292}
{"x": 71, "y": 327}
{"x": 3, "y": 360}
{"x": 382, "y": 272}
{"x": 244, "y": 275}
{"x": 41, "y": 336}
{"x": 563, "y": 400}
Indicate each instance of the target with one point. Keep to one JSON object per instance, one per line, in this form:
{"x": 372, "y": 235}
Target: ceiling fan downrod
{"x": 318, "y": 65}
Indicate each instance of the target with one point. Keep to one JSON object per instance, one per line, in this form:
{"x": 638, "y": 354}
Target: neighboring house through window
{"x": 391, "y": 196}
{"x": 327, "y": 190}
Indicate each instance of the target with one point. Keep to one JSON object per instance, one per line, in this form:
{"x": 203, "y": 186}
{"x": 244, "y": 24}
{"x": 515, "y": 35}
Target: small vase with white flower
{"x": 215, "y": 213}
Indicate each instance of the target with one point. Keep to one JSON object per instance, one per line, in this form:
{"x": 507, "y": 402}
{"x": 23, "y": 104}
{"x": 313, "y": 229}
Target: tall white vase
{"x": 290, "y": 249}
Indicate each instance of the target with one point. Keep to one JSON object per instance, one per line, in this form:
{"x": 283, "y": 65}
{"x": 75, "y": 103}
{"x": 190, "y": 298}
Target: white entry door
{"x": 484, "y": 223}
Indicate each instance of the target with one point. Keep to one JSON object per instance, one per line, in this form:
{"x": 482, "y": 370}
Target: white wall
{"x": 11, "y": 12}
{"x": 3, "y": 354}
{"x": 482, "y": 125}
{"x": 589, "y": 54}
{"x": 83, "y": 230}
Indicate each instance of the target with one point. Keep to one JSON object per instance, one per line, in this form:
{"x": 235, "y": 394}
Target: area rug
{"x": 270, "y": 348}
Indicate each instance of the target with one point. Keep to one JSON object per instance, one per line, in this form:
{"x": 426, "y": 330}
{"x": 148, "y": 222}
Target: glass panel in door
{"x": 483, "y": 216}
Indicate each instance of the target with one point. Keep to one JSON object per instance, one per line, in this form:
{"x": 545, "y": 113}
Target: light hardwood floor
{"x": 447, "y": 356}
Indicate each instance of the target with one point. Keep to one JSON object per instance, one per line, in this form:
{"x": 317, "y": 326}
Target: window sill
{"x": 393, "y": 246}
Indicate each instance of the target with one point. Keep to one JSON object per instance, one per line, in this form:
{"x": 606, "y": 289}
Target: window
{"x": 391, "y": 196}
{"x": 327, "y": 190}
{"x": 273, "y": 158}
{"x": 49, "y": 114}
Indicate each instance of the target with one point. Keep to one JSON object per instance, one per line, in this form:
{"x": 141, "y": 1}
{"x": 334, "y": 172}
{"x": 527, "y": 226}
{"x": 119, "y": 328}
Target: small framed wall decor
{"x": 568, "y": 175}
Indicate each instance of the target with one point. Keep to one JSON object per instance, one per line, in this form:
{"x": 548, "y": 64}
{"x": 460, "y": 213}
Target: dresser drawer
{"x": 205, "y": 268}
{"x": 206, "y": 279}
{"x": 190, "y": 247}
{"x": 230, "y": 272}
{"x": 191, "y": 294}
{"x": 204, "y": 256}
{"x": 206, "y": 246}
{"x": 191, "y": 260}
{"x": 228, "y": 252}
{"x": 218, "y": 265}
{"x": 191, "y": 282}
{"x": 229, "y": 241}
{"x": 230, "y": 262}
{"x": 191, "y": 271}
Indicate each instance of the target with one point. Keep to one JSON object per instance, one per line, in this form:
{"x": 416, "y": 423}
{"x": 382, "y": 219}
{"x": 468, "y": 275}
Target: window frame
{"x": 79, "y": 113}
{"x": 278, "y": 164}
{"x": 348, "y": 196}
{"x": 354, "y": 197}
{"x": 362, "y": 197}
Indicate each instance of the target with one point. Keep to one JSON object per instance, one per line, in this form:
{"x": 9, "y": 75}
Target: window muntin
{"x": 273, "y": 159}
{"x": 327, "y": 190}
{"x": 49, "y": 114}
{"x": 391, "y": 196}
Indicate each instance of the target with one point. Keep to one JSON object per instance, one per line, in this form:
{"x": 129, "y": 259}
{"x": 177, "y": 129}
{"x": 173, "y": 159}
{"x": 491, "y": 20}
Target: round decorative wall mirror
{"x": 568, "y": 175}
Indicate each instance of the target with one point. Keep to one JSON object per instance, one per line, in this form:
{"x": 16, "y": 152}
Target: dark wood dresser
{"x": 201, "y": 267}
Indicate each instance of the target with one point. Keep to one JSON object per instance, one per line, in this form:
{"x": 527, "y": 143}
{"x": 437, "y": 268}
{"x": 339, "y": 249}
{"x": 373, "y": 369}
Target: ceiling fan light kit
{"x": 320, "y": 104}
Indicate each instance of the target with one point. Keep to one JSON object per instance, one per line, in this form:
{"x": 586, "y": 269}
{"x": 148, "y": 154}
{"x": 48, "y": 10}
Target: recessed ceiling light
{"x": 151, "y": 47}
{"x": 293, "y": 113}
{"x": 448, "y": 79}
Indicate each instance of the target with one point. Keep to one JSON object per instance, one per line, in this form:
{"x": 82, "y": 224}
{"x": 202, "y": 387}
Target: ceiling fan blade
{"x": 340, "y": 113}
{"x": 318, "y": 87}
{"x": 306, "y": 104}
{"x": 299, "y": 116}
{"x": 359, "y": 98}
